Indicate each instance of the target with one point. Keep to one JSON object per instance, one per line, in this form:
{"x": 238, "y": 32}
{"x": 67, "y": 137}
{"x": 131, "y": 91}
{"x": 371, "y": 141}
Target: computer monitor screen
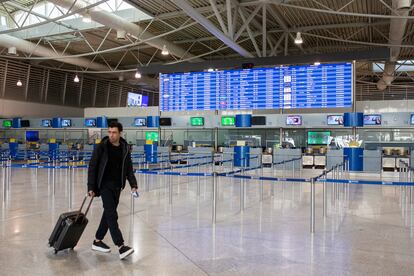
{"x": 46, "y": 123}
{"x": 136, "y": 100}
{"x": 318, "y": 137}
{"x": 25, "y": 123}
{"x": 111, "y": 120}
{"x": 151, "y": 135}
{"x": 197, "y": 121}
{"x": 165, "y": 121}
{"x": 90, "y": 122}
{"x": 335, "y": 120}
{"x": 294, "y": 120}
{"x": 7, "y": 123}
{"x": 259, "y": 120}
{"x": 140, "y": 122}
{"x": 32, "y": 136}
{"x": 372, "y": 120}
{"x": 227, "y": 121}
{"x": 66, "y": 123}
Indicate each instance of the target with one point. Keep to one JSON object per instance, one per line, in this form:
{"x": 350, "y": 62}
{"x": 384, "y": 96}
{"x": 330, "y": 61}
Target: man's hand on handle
{"x": 134, "y": 192}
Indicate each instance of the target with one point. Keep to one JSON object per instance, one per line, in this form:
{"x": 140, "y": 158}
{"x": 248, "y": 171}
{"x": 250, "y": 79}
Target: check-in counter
{"x": 334, "y": 157}
{"x": 372, "y": 160}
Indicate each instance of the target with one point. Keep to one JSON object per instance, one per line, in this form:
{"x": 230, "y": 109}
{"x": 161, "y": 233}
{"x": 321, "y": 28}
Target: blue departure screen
{"x": 288, "y": 87}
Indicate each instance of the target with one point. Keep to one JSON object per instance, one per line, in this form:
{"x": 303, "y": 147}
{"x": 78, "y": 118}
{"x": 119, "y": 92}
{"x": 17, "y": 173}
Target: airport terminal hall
{"x": 206, "y": 137}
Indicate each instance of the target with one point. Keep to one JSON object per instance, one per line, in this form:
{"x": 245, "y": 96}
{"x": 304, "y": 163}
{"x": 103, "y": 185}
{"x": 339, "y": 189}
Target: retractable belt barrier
{"x": 337, "y": 172}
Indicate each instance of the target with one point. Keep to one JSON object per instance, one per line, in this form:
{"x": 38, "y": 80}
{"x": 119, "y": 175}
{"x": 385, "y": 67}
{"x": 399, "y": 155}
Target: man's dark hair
{"x": 117, "y": 125}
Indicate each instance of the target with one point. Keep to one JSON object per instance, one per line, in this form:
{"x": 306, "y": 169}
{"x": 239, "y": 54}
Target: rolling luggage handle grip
{"x": 87, "y": 208}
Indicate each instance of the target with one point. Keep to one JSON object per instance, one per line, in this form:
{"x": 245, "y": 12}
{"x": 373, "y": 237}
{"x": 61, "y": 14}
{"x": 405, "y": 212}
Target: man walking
{"x": 109, "y": 168}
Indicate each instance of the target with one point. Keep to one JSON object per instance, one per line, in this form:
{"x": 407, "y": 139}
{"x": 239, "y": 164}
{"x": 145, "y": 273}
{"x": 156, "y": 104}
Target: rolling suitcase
{"x": 69, "y": 228}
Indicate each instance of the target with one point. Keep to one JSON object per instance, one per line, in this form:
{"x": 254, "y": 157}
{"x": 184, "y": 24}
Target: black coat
{"x": 98, "y": 163}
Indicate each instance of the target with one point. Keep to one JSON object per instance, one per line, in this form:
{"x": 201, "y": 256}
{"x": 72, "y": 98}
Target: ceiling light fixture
{"x": 164, "y": 51}
{"x": 12, "y": 51}
{"x": 316, "y": 63}
{"x": 19, "y": 83}
{"x": 137, "y": 75}
{"x": 298, "y": 38}
{"x": 76, "y": 79}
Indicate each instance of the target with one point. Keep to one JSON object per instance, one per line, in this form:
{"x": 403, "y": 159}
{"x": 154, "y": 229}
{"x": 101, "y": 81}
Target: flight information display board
{"x": 287, "y": 87}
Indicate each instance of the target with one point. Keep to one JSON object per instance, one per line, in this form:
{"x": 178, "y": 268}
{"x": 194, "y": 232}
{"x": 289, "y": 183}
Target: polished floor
{"x": 368, "y": 229}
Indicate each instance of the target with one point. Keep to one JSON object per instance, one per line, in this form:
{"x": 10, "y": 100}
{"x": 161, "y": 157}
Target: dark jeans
{"x": 109, "y": 220}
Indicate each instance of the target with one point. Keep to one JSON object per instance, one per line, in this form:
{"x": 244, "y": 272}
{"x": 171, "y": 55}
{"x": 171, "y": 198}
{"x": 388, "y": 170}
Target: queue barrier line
{"x": 231, "y": 174}
{"x": 367, "y": 182}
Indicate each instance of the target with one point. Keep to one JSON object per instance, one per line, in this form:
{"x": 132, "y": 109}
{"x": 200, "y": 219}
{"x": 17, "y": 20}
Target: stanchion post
{"x": 333, "y": 186}
{"x": 212, "y": 162}
{"x": 242, "y": 187}
{"x": 146, "y": 176}
{"x": 403, "y": 175}
{"x": 347, "y": 175}
{"x": 324, "y": 195}
{"x": 198, "y": 181}
{"x": 3, "y": 168}
{"x": 214, "y": 197}
{"x": 37, "y": 164}
{"x": 132, "y": 205}
{"x": 342, "y": 177}
{"x": 410, "y": 176}
{"x": 8, "y": 169}
{"x": 312, "y": 209}
{"x": 338, "y": 175}
{"x": 408, "y": 180}
{"x": 6, "y": 180}
{"x": 399, "y": 170}
{"x": 53, "y": 177}
{"x": 170, "y": 188}
{"x": 70, "y": 187}
{"x": 405, "y": 179}
{"x": 261, "y": 183}
{"x": 9, "y": 175}
{"x": 272, "y": 187}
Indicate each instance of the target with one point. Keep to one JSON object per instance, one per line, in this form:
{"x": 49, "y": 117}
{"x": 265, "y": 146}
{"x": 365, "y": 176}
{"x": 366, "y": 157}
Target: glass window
{"x": 50, "y": 10}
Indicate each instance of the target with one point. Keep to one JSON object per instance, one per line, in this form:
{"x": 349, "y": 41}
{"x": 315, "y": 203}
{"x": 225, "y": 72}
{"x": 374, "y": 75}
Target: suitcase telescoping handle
{"x": 87, "y": 208}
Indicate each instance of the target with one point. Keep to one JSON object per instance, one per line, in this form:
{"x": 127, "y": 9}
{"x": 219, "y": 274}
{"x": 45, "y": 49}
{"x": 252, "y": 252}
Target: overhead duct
{"x": 22, "y": 45}
{"x": 116, "y": 22}
{"x": 396, "y": 34}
